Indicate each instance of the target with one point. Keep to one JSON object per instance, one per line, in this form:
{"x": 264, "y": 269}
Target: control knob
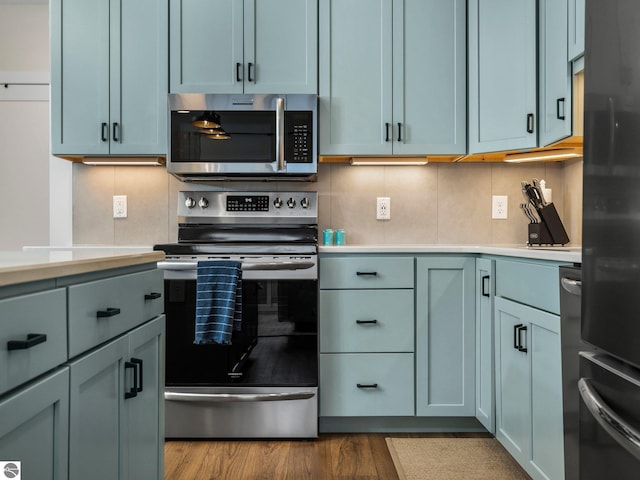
{"x": 304, "y": 203}
{"x": 291, "y": 203}
{"x": 203, "y": 202}
{"x": 190, "y": 202}
{"x": 277, "y": 202}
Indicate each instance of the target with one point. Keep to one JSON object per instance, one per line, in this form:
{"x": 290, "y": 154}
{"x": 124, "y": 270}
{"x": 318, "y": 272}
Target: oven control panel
{"x": 247, "y": 203}
{"x": 216, "y": 206}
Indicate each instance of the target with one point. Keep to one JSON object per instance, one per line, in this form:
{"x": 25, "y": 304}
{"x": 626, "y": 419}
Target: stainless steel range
{"x": 264, "y": 383}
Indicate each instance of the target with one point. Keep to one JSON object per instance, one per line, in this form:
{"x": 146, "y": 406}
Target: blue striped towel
{"x": 218, "y": 301}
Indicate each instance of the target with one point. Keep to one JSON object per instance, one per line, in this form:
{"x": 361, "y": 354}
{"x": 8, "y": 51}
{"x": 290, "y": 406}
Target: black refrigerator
{"x": 609, "y": 418}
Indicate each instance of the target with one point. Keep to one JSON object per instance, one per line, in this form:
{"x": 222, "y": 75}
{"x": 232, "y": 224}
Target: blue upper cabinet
{"x": 576, "y": 29}
{"x": 555, "y": 81}
{"x": 236, "y": 46}
{"x": 502, "y": 75}
{"x": 392, "y": 77}
{"x": 109, "y": 77}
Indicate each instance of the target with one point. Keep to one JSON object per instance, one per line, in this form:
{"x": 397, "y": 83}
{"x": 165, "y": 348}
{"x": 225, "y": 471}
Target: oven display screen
{"x": 247, "y": 203}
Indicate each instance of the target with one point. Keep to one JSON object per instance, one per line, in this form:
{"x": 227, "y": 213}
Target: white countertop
{"x": 559, "y": 254}
{"x": 29, "y": 265}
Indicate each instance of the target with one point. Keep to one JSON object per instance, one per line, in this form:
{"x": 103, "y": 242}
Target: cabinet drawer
{"x": 366, "y": 321}
{"x": 529, "y": 283}
{"x": 366, "y": 272}
{"x": 37, "y": 325}
{"x": 153, "y": 287}
{"x": 385, "y": 379}
{"x": 103, "y": 309}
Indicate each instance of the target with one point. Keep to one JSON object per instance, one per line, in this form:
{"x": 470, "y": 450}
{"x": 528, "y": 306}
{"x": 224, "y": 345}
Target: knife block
{"x": 550, "y": 230}
{"x": 539, "y": 234}
{"x": 549, "y": 216}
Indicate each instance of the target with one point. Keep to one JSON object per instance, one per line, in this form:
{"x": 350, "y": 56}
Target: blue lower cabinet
{"x": 529, "y": 388}
{"x": 115, "y": 423}
{"x": 445, "y": 336}
{"x": 366, "y": 384}
{"x": 34, "y": 427}
{"x": 485, "y": 366}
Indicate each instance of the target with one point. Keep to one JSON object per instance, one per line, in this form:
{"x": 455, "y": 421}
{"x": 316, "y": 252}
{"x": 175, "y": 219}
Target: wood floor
{"x": 331, "y": 456}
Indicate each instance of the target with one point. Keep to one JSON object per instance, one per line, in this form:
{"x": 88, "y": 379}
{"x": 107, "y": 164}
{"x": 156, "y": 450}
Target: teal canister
{"x": 341, "y": 237}
{"x": 327, "y": 236}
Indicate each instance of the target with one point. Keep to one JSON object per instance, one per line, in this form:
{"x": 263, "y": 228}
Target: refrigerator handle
{"x": 623, "y": 433}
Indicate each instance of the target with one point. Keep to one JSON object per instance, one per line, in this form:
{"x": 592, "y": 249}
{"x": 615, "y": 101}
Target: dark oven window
{"x": 277, "y": 345}
{"x": 251, "y": 138}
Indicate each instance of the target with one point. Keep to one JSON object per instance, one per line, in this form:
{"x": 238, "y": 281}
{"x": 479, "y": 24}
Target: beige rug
{"x": 453, "y": 459}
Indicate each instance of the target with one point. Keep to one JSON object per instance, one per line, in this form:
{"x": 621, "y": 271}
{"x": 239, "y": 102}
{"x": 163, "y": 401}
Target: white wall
{"x": 35, "y": 188}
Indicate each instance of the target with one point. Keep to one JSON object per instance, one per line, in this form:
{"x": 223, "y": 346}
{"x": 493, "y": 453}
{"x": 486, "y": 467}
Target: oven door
{"x": 264, "y": 384}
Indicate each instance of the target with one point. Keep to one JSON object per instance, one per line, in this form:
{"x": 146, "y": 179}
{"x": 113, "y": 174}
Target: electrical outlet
{"x": 119, "y": 206}
{"x": 499, "y": 207}
{"x": 383, "y": 208}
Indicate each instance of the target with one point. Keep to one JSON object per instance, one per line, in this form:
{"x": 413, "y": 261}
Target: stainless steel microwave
{"x": 236, "y": 136}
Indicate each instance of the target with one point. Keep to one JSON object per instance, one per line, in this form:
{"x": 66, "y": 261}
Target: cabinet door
{"x": 576, "y": 29}
{"x": 145, "y": 413}
{"x": 355, "y": 82}
{"x": 555, "y": 106}
{"x": 513, "y": 380}
{"x": 445, "y": 337}
{"x": 429, "y": 77}
{"x": 485, "y": 384}
{"x": 80, "y": 77}
{"x": 502, "y": 75}
{"x": 35, "y": 426}
{"x": 206, "y": 46}
{"x": 139, "y": 85}
{"x": 547, "y": 436}
{"x": 281, "y": 46}
{"x": 96, "y": 426}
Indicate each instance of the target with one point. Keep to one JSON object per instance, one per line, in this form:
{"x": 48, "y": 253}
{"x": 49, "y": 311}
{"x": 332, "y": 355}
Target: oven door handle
{"x": 622, "y": 432}
{"x": 183, "y": 266}
{"x": 277, "y": 266}
{"x": 237, "y": 397}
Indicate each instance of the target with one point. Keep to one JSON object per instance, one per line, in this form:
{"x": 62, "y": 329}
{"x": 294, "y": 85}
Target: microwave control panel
{"x": 299, "y": 145}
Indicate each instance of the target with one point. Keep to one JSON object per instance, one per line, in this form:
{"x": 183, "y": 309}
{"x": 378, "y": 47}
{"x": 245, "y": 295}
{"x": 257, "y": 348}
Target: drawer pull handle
{"x": 366, "y": 322}
{"x": 485, "y": 283}
{"x": 109, "y": 312}
{"x": 133, "y": 391}
{"x": 516, "y": 336}
{"x": 367, "y": 274}
{"x": 367, "y": 385}
{"x": 32, "y": 340}
{"x": 522, "y": 348}
{"x": 152, "y": 296}
{"x": 139, "y": 363}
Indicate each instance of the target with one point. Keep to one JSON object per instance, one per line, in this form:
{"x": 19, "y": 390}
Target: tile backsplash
{"x": 432, "y": 204}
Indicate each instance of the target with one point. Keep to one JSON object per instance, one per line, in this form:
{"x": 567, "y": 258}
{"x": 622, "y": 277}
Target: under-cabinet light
{"x": 388, "y": 161}
{"x": 150, "y": 162}
{"x": 558, "y": 154}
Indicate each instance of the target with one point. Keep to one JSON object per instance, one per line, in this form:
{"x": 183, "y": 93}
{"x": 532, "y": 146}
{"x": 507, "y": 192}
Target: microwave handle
{"x": 280, "y": 134}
